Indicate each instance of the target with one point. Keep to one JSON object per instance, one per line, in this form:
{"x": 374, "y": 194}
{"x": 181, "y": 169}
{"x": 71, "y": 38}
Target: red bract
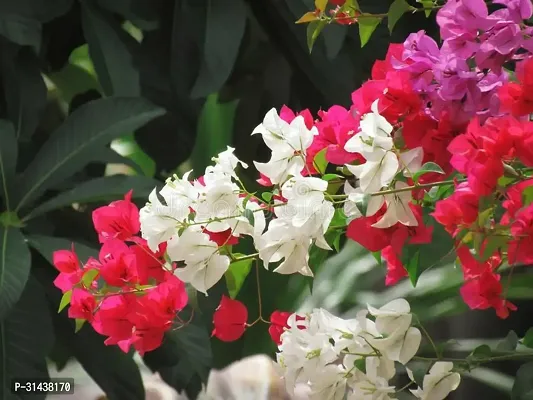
{"x": 514, "y": 201}
{"x": 518, "y": 98}
{"x": 337, "y": 125}
{"x": 395, "y": 269}
{"x": 473, "y": 268}
{"x": 113, "y": 318}
{"x": 223, "y": 238}
{"x": 278, "y": 324}
{"x": 149, "y": 265}
{"x": 69, "y": 267}
{"x": 521, "y": 246}
{"x": 120, "y": 220}
{"x": 458, "y": 211}
{"x": 82, "y": 305}
{"x": 229, "y": 320}
{"x": 484, "y": 292}
{"x": 118, "y": 263}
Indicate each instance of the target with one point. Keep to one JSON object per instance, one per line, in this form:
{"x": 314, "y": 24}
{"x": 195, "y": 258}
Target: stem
{"x": 428, "y": 336}
{"x": 248, "y": 257}
{"x": 505, "y": 357}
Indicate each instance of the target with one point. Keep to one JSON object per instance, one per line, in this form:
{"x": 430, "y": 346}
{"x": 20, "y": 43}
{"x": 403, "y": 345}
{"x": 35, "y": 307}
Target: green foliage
{"x": 508, "y": 343}
{"x": 397, "y": 9}
{"x": 236, "y": 274}
{"x": 528, "y": 338}
{"x": 367, "y": 26}
{"x": 523, "y": 385}
{"x": 421, "y": 257}
{"x": 427, "y": 168}
{"x": 319, "y": 162}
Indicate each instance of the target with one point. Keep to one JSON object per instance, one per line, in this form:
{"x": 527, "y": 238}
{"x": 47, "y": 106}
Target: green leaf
{"x": 24, "y": 89}
{"x": 267, "y": 196}
{"x": 141, "y": 13}
{"x": 111, "y": 50}
{"x": 215, "y": 117}
{"x": 429, "y": 167}
{"x": 78, "y": 324}
{"x": 377, "y": 256}
{"x": 321, "y": 4}
{"x": 15, "y": 265}
{"x": 396, "y": 10}
{"x": 360, "y": 364}
{"x": 428, "y": 5}
{"x": 527, "y": 196}
{"x": 65, "y": 300}
{"x": 367, "y": 26}
{"x": 419, "y": 370}
{"x": 313, "y": 32}
{"x": 46, "y": 245}
{"x": 362, "y": 204}
{"x": 339, "y": 218}
{"x": 236, "y": 274}
{"x": 84, "y": 132}
{"x": 523, "y": 384}
{"x": 492, "y": 244}
{"x": 528, "y": 338}
{"x": 319, "y": 162}
{"x": 421, "y": 257}
{"x": 21, "y": 30}
{"x": 225, "y": 26}
{"x": 330, "y": 177}
{"x": 26, "y": 338}
{"x": 106, "y": 188}
{"x": 8, "y": 160}
{"x": 307, "y": 17}
{"x": 89, "y": 276}
{"x": 508, "y": 343}
{"x": 249, "y": 215}
{"x": 480, "y": 352}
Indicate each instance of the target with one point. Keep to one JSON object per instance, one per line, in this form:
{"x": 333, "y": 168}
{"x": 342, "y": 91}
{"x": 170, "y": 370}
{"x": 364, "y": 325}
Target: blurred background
{"x": 216, "y": 67}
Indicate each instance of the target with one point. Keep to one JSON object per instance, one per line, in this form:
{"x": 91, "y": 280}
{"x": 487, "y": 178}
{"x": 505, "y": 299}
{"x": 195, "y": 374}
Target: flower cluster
{"x": 130, "y": 294}
{"x": 356, "y": 358}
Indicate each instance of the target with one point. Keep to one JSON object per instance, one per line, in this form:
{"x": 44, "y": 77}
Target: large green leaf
{"x": 39, "y": 10}
{"x": 26, "y": 338}
{"x": 15, "y": 262}
{"x": 523, "y": 384}
{"x": 8, "y": 159}
{"x": 73, "y": 144}
{"x": 141, "y": 13}
{"x": 215, "y": 117}
{"x": 106, "y": 188}
{"x": 109, "y": 48}
{"x": 46, "y": 245}
{"x": 226, "y": 22}
{"x": 24, "y": 89}
{"x": 21, "y": 30}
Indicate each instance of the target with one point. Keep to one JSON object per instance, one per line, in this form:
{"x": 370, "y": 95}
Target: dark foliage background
{"x": 179, "y": 81}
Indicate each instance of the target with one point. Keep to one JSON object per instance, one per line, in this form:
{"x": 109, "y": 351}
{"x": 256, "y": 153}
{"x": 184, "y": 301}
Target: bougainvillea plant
{"x": 437, "y": 146}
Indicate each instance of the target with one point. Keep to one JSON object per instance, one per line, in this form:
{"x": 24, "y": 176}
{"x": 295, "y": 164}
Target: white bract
{"x": 438, "y": 384}
{"x": 353, "y": 358}
{"x": 288, "y": 143}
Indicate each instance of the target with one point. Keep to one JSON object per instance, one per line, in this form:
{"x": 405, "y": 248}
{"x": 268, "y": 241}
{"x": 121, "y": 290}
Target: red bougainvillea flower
{"x": 278, "y": 324}
{"x": 521, "y": 247}
{"x": 119, "y": 220}
{"x": 82, "y": 305}
{"x": 118, "y": 263}
{"x": 485, "y": 292}
{"x": 113, "y": 318}
{"x": 518, "y": 98}
{"x": 222, "y": 238}
{"x": 395, "y": 269}
{"x": 69, "y": 267}
{"x": 149, "y": 265}
{"x": 229, "y": 320}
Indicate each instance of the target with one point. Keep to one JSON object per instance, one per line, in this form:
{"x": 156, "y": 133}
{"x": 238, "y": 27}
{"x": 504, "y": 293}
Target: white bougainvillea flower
{"x": 288, "y": 143}
{"x": 356, "y": 195}
{"x": 373, "y": 175}
{"x": 391, "y": 315}
{"x": 282, "y": 241}
{"x": 329, "y": 384}
{"x": 398, "y": 209}
{"x": 373, "y": 124}
{"x": 219, "y": 203}
{"x": 226, "y": 162}
{"x": 411, "y": 161}
{"x": 204, "y": 266}
{"x": 281, "y": 166}
{"x": 371, "y": 385}
{"x": 308, "y": 190}
{"x": 438, "y": 384}
{"x": 160, "y": 222}
{"x": 205, "y": 274}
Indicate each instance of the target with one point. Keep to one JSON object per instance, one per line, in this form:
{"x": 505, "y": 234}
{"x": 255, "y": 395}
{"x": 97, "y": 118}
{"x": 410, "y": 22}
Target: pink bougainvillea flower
{"x": 119, "y": 220}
